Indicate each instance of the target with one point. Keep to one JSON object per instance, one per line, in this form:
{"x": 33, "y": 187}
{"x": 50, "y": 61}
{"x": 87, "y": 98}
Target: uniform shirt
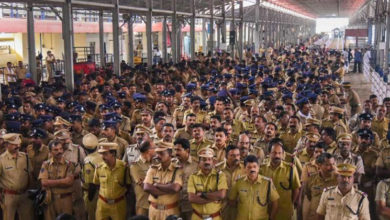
{"x": 195, "y": 147}
{"x": 37, "y": 157}
{"x": 232, "y": 175}
{"x": 112, "y": 182}
{"x": 182, "y": 133}
{"x": 252, "y": 197}
{"x": 198, "y": 182}
{"x": 290, "y": 140}
{"x": 52, "y": 170}
{"x": 132, "y": 154}
{"x": 355, "y": 139}
{"x": 333, "y": 205}
{"x": 77, "y": 137}
{"x": 178, "y": 115}
{"x": 340, "y": 127}
{"x": 313, "y": 190}
{"x": 284, "y": 185}
{"x": 353, "y": 159}
{"x": 332, "y": 148}
{"x": 91, "y": 162}
{"x": 369, "y": 158}
{"x": 383, "y": 159}
{"x": 308, "y": 170}
{"x": 380, "y": 127}
{"x": 13, "y": 171}
{"x": 138, "y": 170}
{"x": 201, "y": 116}
{"x": 304, "y": 157}
{"x": 219, "y": 154}
{"x": 76, "y": 155}
{"x": 156, "y": 174}
{"x": 383, "y": 194}
{"x": 189, "y": 167}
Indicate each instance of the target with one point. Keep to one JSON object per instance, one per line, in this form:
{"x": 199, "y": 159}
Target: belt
{"x": 163, "y": 207}
{"x": 63, "y": 195}
{"x": 12, "y": 192}
{"x": 111, "y": 201}
{"x": 207, "y": 216}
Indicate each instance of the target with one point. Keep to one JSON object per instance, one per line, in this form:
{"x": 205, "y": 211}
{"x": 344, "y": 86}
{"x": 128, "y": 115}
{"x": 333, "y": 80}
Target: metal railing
{"x": 378, "y": 86}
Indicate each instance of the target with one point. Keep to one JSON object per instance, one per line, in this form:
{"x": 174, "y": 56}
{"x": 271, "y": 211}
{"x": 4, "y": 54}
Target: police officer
{"x": 113, "y": 178}
{"x": 186, "y": 132}
{"x": 317, "y": 182}
{"x": 138, "y": 170}
{"x": 91, "y": 162}
{"x": 199, "y": 141}
{"x": 382, "y": 199}
{"x": 336, "y": 118}
{"x": 78, "y": 131}
{"x": 37, "y": 152}
{"x": 57, "y": 178}
{"x": 343, "y": 201}
{"x": 255, "y": 195}
{"x": 286, "y": 179}
{"x": 110, "y": 132}
{"x": 132, "y": 152}
{"x": 163, "y": 182}
{"x": 15, "y": 172}
{"x": 206, "y": 188}
{"x": 189, "y": 165}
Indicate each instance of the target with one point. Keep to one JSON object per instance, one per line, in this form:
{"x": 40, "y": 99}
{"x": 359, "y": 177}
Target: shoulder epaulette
{"x": 267, "y": 178}
{"x": 329, "y": 188}
{"x": 361, "y": 193}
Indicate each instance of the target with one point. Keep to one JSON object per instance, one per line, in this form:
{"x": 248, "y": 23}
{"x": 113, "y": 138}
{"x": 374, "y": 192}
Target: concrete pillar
{"x": 386, "y": 52}
{"x": 241, "y": 39}
{"x": 218, "y": 36}
{"x": 192, "y": 29}
{"x": 164, "y": 38}
{"x": 174, "y": 33}
{"x": 223, "y": 25}
{"x": 233, "y": 28}
{"x": 68, "y": 44}
{"x": 101, "y": 40}
{"x": 32, "y": 62}
{"x": 131, "y": 39}
{"x": 211, "y": 27}
{"x": 115, "y": 38}
{"x": 257, "y": 34}
{"x": 149, "y": 33}
{"x": 204, "y": 35}
{"x": 178, "y": 41}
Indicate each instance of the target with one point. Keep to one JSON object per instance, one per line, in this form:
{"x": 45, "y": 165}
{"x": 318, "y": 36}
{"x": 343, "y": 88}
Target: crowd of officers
{"x": 277, "y": 136}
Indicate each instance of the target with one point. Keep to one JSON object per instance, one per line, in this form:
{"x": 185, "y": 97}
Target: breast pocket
{"x": 103, "y": 181}
{"x": 332, "y": 209}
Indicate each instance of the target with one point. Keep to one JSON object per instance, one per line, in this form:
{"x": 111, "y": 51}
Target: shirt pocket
{"x": 103, "y": 181}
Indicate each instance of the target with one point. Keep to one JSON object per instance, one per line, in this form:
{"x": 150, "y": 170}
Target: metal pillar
{"x": 68, "y": 44}
{"x": 192, "y": 29}
{"x": 149, "y": 33}
{"x": 204, "y": 36}
{"x": 32, "y": 62}
{"x": 101, "y": 40}
{"x": 174, "y": 33}
{"x": 218, "y": 36}
{"x": 256, "y": 33}
{"x": 178, "y": 41}
{"x": 164, "y": 38}
{"x": 223, "y": 27}
{"x": 211, "y": 27}
{"x": 387, "y": 41}
{"x": 240, "y": 43}
{"x": 131, "y": 39}
{"x": 115, "y": 38}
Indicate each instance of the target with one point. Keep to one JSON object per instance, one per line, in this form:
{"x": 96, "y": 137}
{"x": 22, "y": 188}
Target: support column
{"x": 204, "y": 36}
{"x": 131, "y": 39}
{"x": 241, "y": 43}
{"x": 211, "y": 27}
{"x": 149, "y": 33}
{"x": 179, "y": 40}
{"x": 68, "y": 44}
{"x": 223, "y": 25}
{"x": 387, "y": 41}
{"x": 115, "y": 38}
{"x": 192, "y": 29}
{"x": 101, "y": 40}
{"x": 257, "y": 34}
{"x": 233, "y": 28}
{"x": 174, "y": 33}
{"x": 164, "y": 38}
{"x": 32, "y": 62}
{"x": 218, "y": 36}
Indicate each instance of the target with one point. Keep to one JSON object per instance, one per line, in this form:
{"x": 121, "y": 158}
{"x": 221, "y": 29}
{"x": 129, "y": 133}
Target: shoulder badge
{"x": 329, "y": 188}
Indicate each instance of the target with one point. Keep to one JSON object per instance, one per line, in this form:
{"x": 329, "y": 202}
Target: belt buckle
{"x": 110, "y": 201}
{"x": 160, "y": 207}
{"x": 206, "y": 217}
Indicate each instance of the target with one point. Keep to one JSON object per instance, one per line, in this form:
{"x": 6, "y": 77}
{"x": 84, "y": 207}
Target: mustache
{"x": 252, "y": 171}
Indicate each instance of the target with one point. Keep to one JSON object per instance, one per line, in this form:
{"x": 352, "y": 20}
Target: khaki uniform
{"x": 353, "y": 100}
{"x": 255, "y": 136}
{"x": 201, "y": 116}
{"x": 355, "y": 139}
{"x": 383, "y": 194}
{"x": 340, "y": 128}
{"x": 59, "y": 199}
{"x": 232, "y": 176}
{"x": 209, "y": 135}
{"x": 91, "y": 162}
{"x": 220, "y": 155}
{"x": 195, "y": 147}
{"x": 138, "y": 170}
{"x": 318, "y": 111}
{"x": 76, "y": 155}
{"x": 182, "y": 133}
{"x": 304, "y": 157}
{"x": 380, "y": 127}
{"x": 253, "y": 198}
{"x": 198, "y": 182}
{"x": 85, "y": 119}
{"x": 314, "y": 187}
{"x": 136, "y": 117}
{"x": 178, "y": 115}
{"x": 353, "y": 159}
{"x": 308, "y": 170}
{"x": 383, "y": 159}
{"x": 286, "y": 179}
{"x": 37, "y": 157}
{"x": 77, "y": 137}
{"x": 189, "y": 168}
{"x": 132, "y": 154}
{"x": 156, "y": 174}
{"x": 113, "y": 186}
{"x": 333, "y": 205}
{"x": 14, "y": 179}
{"x": 122, "y": 145}
{"x": 290, "y": 140}
{"x": 262, "y": 144}
{"x": 332, "y": 148}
